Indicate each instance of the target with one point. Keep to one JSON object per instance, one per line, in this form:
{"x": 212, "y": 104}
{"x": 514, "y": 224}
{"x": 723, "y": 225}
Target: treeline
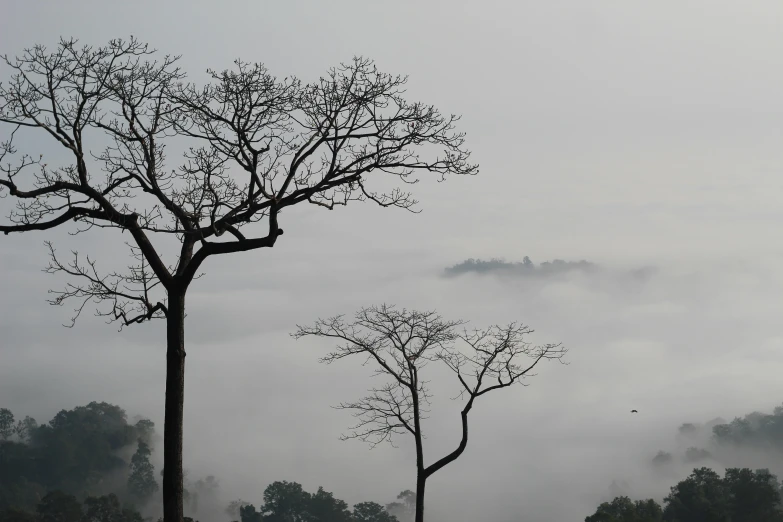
{"x": 522, "y": 268}
{"x": 756, "y": 430}
{"x": 759, "y": 430}
{"x": 89, "y": 464}
{"x": 57, "y": 506}
{"x": 285, "y": 501}
{"x": 741, "y": 495}
{"x": 87, "y": 451}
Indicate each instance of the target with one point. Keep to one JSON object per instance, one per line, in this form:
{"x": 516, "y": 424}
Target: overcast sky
{"x": 628, "y": 134}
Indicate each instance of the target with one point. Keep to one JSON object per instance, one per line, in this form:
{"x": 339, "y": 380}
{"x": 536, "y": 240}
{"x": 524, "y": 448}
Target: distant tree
{"x": 405, "y": 507}
{"x": 232, "y": 510}
{"x": 648, "y": 510}
{"x": 721, "y": 433}
{"x": 754, "y": 430}
{"x": 696, "y": 454}
{"x": 289, "y": 502}
{"x": 25, "y": 429}
{"x": 285, "y": 502}
{"x": 623, "y": 509}
{"x": 662, "y": 457}
{"x": 145, "y": 429}
{"x": 742, "y": 495}
{"x": 75, "y": 453}
{"x": 141, "y": 480}
{"x": 372, "y": 512}
{"x": 702, "y": 497}
{"x": 248, "y": 513}
{"x": 81, "y": 445}
{"x": 254, "y": 146}
{"x": 6, "y": 423}
{"x": 525, "y": 268}
{"x": 57, "y": 506}
{"x": 754, "y": 495}
{"x": 400, "y": 344}
{"x": 323, "y": 507}
{"x": 688, "y": 429}
{"x": 205, "y": 490}
{"x": 108, "y": 509}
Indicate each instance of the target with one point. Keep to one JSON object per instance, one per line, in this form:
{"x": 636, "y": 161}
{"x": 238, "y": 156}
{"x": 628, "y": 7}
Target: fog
{"x": 642, "y": 139}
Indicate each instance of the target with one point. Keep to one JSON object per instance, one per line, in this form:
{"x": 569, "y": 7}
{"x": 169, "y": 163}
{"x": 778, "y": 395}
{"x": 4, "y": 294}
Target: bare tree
{"x": 254, "y": 145}
{"x": 399, "y": 344}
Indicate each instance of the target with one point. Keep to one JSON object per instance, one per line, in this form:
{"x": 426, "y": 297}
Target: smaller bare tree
{"x": 399, "y": 344}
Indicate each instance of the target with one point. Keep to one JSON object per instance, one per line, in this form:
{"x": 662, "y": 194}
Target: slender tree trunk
{"x": 173, "y": 509}
{"x": 421, "y": 481}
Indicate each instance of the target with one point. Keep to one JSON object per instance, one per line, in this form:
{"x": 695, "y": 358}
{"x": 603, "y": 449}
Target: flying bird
{"x": 634, "y": 411}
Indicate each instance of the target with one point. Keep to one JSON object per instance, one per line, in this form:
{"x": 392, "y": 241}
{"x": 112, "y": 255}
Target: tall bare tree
{"x": 399, "y": 344}
{"x": 254, "y": 145}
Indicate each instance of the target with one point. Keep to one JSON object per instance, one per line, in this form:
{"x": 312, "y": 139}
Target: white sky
{"x": 629, "y": 134}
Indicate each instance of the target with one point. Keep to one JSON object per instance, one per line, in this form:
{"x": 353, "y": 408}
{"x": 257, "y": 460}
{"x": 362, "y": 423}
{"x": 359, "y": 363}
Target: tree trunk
{"x": 421, "y": 481}
{"x": 173, "y": 509}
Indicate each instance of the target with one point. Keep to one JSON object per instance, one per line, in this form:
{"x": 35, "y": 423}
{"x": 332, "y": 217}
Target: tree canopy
{"x": 288, "y": 502}
{"x": 741, "y": 495}
{"x": 74, "y": 453}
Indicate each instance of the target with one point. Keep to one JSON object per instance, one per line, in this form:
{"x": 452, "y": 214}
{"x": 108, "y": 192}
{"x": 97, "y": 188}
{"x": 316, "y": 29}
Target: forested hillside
{"x": 90, "y": 464}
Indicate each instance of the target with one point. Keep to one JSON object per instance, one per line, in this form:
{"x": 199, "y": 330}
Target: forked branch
{"x": 129, "y": 295}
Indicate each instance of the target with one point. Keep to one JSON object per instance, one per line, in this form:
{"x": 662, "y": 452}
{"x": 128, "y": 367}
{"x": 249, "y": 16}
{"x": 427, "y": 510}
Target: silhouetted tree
{"x": 258, "y": 145}
{"x": 145, "y": 429}
{"x": 324, "y": 507}
{"x": 285, "y": 502}
{"x": 6, "y": 423}
{"x": 693, "y": 454}
{"x": 372, "y": 512}
{"x": 754, "y": 495}
{"x": 755, "y": 429}
{"x": 702, "y": 496}
{"x": 400, "y": 344}
{"x": 141, "y": 480}
{"x": 234, "y": 507}
{"x": 688, "y": 429}
{"x": 623, "y": 509}
{"x": 75, "y": 453}
{"x": 25, "y": 429}
{"x": 248, "y": 513}
{"x": 662, "y": 457}
{"x": 405, "y": 507}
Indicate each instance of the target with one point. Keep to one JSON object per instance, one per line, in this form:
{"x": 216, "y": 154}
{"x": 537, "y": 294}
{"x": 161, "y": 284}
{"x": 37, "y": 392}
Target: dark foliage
{"x": 289, "y": 502}
{"x": 57, "y": 506}
{"x": 742, "y": 495}
{"x": 662, "y": 457}
{"x": 623, "y": 509}
{"x": 755, "y": 429}
{"x": 74, "y": 453}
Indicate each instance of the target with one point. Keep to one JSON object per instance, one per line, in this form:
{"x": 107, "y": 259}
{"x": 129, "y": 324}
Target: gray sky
{"x": 628, "y": 134}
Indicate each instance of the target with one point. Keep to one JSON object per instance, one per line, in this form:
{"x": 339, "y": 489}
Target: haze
{"x": 641, "y": 137}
